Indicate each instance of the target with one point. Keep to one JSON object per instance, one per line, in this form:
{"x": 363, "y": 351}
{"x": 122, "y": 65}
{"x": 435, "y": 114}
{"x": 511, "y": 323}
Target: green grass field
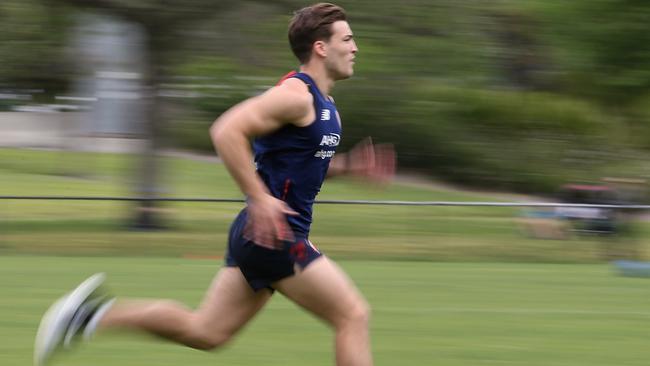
{"x": 455, "y": 286}
{"x": 344, "y": 232}
{"x": 443, "y": 314}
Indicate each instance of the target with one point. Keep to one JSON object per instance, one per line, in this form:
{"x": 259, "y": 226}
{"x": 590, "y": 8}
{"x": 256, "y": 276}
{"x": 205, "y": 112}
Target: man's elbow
{"x": 217, "y": 132}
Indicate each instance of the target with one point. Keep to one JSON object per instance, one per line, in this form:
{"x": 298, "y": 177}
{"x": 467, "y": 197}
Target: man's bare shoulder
{"x": 296, "y": 100}
{"x": 297, "y": 89}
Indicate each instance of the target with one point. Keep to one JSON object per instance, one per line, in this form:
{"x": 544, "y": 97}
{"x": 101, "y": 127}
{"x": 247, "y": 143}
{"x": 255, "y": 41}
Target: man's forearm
{"x": 235, "y": 152}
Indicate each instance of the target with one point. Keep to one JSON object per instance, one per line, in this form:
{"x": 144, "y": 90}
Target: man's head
{"x": 322, "y": 31}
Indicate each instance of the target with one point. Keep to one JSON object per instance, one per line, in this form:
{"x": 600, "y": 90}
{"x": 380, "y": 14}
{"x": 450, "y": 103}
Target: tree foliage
{"x": 508, "y": 94}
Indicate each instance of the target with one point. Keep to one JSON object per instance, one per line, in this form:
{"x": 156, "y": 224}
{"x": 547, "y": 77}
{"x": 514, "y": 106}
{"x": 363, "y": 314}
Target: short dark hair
{"x": 311, "y": 24}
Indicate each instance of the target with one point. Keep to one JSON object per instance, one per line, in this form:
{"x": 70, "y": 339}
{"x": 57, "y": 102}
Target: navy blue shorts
{"x": 262, "y": 266}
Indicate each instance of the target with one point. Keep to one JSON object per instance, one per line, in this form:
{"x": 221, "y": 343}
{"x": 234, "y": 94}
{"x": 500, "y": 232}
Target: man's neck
{"x": 324, "y": 83}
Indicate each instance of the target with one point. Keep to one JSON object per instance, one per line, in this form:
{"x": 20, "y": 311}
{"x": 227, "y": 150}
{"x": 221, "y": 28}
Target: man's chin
{"x": 347, "y": 75}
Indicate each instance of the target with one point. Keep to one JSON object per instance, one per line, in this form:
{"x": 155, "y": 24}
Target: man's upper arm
{"x": 260, "y": 115}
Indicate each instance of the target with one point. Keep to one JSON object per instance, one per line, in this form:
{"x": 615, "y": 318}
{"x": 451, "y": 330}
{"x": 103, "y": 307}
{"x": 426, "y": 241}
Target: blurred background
{"x": 508, "y": 95}
{"x": 543, "y": 98}
{"x": 535, "y": 101}
{"x": 499, "y": 101}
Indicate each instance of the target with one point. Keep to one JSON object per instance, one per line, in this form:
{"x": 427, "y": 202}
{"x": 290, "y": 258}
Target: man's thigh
{"x": 323, "y": 289}
{"x": 230, "y": 302}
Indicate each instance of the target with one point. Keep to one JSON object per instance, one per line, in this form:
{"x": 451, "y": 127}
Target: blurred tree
{"x": 163, "y": 22}
{"x": 437, "y": 67}
{"x": 32, "y": 39}
{"x": 619, "y": 40}
{"x": 602, "y": 46}
{"x": 520, "y": 56}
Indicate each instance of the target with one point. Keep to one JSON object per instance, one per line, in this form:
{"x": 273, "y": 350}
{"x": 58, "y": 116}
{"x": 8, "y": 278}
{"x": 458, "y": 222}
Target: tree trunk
{"x": 148, "y": 210}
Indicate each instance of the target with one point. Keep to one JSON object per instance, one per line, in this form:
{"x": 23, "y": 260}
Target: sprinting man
{"x": 296, "y": 129}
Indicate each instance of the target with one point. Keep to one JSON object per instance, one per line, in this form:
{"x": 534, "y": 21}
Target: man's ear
{"x": 320, "y": 48}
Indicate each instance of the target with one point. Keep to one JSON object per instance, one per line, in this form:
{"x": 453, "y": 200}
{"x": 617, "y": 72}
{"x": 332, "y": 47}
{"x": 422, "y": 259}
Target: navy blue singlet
{"x": 293, "y": 161}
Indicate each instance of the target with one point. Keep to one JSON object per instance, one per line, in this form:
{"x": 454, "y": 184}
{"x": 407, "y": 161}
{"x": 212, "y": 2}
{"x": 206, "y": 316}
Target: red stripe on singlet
{"x": 285, "y": 77}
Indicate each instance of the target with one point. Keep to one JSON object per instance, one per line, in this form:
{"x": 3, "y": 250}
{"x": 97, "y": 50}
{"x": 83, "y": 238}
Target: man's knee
{"x": 209, "y": 342}
{"x": 357, "y": 314}
{"x": 207, "y": 339}
{"x": 363, "y": 312}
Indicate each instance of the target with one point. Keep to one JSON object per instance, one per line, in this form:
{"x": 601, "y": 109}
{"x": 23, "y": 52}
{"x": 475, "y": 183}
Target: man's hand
{"x": 375, "y": 163}
{"x": 267, "y": 223}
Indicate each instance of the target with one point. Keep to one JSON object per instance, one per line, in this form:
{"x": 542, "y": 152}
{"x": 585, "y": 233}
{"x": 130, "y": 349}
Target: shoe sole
{"x": 53, "y": 325}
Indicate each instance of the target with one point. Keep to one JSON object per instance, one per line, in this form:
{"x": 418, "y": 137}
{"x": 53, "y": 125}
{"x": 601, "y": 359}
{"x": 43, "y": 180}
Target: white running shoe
{"x": 66, "y": 317}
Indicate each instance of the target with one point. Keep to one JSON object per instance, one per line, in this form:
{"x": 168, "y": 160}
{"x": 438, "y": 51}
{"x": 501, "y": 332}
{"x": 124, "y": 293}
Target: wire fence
{"x": 368, "y": 229}
{"x": 335, "y": 202}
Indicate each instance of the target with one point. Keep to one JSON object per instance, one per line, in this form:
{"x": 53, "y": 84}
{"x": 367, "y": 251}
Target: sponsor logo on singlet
{"x": 331, "y": 140}
{"x": 324, "y": 154}
{"x": 325, "y": 115}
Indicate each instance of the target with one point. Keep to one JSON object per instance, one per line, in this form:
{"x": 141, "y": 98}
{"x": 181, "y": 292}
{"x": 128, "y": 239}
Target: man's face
{"x": 341, "y": 50}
